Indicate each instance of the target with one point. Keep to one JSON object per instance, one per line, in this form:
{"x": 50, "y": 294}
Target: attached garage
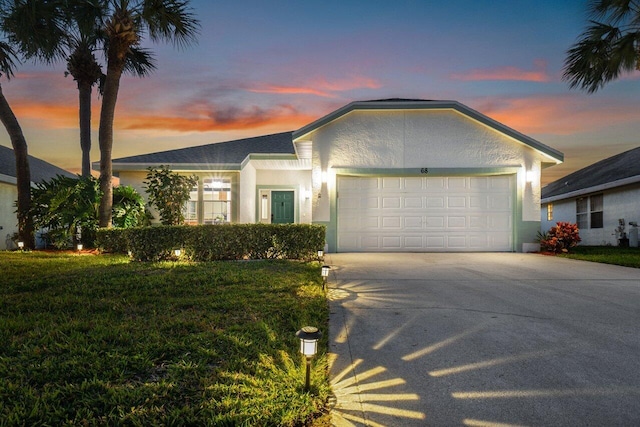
{"x": 415, "y": 214}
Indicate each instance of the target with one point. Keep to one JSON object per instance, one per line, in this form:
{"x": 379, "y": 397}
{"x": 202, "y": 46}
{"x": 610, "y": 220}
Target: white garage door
{"x": 423, "y": 214}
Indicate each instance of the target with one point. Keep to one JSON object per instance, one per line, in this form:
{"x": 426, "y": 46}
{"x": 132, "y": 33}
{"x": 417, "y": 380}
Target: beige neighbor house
{"x": 598, "y": 198}
{"x": 387, "y": 175}
{"x": 40, "y": 171}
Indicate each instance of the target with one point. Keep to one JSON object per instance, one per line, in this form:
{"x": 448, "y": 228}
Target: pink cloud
{"x": 320, "y": 87}
{"x": 538, "y": 74}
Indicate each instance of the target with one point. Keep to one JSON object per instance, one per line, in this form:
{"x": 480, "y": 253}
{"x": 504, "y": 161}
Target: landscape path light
{"x": 309, "y": 336}
{"x": 325, "y": 275}
{"x": 80, "y": 247}
{"x": 320, "y": 253}
{"x": 21, "y": 245}
{"x": 178, "y": 252}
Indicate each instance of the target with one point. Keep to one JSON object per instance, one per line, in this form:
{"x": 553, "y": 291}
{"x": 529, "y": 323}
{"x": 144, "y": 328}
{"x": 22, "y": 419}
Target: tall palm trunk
{"x": 105, "y": 139}
{"x": 23, "y": 174}
{"x": 84, "y": 103}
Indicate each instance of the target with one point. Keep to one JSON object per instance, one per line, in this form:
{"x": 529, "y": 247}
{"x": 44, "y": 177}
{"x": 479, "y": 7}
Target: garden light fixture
{"x": 177, "y": 252}
{"x": 320, "y": 253}
{"x": 309, "y": 336}
{"x": 325, "y": 275}
{"x": 80, "y": 247}
{"x": 21, "y": 245}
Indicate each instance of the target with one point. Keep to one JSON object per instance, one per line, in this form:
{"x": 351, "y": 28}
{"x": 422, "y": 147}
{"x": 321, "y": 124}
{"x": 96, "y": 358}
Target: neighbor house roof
{"x": 622, "y": 169}
{"x": 422, "y": 104}
{"x": 40, "y": 170}
{"x": 221, "y": 155}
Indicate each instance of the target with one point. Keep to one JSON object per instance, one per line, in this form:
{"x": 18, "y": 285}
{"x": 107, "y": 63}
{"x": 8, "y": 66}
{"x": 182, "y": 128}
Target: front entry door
{"x": 282, "y": 207}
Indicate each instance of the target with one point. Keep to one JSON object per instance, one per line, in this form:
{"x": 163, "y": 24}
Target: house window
{"x": 596, "y": 211}
{"x": 210, "y": 203}
{"x": 549, "y": 211}
{"x": 589, "y": 212}
{"x": 216, "y": 200}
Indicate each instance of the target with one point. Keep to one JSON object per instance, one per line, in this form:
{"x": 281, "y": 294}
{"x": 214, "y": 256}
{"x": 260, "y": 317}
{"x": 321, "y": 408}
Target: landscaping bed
{"x": 100, "y": 340}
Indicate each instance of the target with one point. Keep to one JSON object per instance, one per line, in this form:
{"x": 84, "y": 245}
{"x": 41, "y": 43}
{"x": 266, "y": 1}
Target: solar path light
{"x": 309, "y": 336}
{"x": 325, "y": 275}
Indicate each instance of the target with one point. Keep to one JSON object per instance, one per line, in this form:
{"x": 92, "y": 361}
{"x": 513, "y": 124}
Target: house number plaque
{"x": 424, "y": 171}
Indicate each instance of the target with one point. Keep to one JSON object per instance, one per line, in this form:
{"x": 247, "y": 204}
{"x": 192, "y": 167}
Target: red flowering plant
{"x": 560, "y": 238}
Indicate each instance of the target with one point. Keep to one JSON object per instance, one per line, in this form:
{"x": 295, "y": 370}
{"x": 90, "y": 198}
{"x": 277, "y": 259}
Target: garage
{"x": 425, "y": 213}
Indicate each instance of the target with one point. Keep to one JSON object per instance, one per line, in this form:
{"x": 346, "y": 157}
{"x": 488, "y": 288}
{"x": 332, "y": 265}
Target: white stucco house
{"x": 596, "y": 198}
{"x": 40, "y": 171}
{"x": 386, "y": 175}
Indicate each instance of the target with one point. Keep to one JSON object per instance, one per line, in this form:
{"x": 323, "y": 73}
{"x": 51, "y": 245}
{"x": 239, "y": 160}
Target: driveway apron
{"x": 483, "y": 339}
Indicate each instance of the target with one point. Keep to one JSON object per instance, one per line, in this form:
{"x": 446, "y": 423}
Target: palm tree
{"x": 126, "y": 24}
{"x": 70, "y": 30}
{"x": 609, "y": 46}
{"x": 8, "y": 60}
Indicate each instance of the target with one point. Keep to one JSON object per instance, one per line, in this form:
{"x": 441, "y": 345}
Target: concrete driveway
{"x": 483, "y": 339}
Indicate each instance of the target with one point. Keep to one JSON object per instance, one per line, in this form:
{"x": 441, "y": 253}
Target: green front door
{"x": 281, "y": 207}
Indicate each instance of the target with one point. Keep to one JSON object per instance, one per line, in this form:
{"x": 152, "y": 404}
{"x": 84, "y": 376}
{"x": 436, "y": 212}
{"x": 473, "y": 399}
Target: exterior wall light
{"x": 309, "y": 336}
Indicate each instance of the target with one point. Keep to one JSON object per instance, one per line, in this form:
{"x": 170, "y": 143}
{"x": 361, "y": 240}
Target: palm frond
{"x": 8, "y": 59}
{"x": 139, "y": 62}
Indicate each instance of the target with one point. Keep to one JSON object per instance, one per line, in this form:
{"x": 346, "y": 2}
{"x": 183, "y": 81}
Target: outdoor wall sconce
{"x": 309, "y": 336}
{"x": 325, "y": 275}
{"x": 530, "y": 176}
{"x": 21, "y": 245}
{"x": 80, "y": 247}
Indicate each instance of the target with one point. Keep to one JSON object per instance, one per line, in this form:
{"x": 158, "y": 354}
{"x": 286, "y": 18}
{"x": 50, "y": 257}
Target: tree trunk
{"x": 23, "y": 174}
{"x": 105, "y": 139}
{"x": 84, "y": 102}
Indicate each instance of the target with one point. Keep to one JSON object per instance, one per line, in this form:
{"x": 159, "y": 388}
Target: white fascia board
{"x": 8, "y": 179}
{"x": 594, "y": 189}
{"x": 191, "y": 167}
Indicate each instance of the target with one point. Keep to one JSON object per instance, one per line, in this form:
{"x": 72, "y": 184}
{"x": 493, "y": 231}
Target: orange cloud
{"x": 560, "y": 115}
{"x": 538, "y": 74}
{"x": 50, "y": 115}
{"x": 321, "y": 87}
{"x": 284, "y": 117}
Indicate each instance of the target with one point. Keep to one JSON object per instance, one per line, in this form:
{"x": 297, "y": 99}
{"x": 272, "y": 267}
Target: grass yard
{"x": 98, "y": 340}
{"x": 628, "y": 257}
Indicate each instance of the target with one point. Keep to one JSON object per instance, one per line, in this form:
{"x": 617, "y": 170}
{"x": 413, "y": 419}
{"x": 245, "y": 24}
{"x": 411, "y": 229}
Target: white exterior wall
{"x": 396, "y": 139}
{"x": 617, "y": 203}
{"x": 247, "y": 211}
{"x": 8, "y": 218}
{"x": 135, "y": 180}
{"x": 297, "y": 180}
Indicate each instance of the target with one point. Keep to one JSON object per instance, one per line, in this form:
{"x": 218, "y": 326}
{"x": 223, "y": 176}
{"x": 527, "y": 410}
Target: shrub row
{"x": 215, "y": 242}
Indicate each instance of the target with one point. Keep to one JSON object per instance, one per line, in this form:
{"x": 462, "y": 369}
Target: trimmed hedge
{"x": 215, "y": 242}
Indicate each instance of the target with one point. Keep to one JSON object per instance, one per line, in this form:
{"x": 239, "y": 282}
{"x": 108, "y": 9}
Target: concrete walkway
{"x": 483, "y": 339}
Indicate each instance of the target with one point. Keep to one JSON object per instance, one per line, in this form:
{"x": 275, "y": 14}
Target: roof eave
{"x": 592, "y": 189}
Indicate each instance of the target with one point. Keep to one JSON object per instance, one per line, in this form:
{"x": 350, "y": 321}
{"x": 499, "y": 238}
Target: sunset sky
{"x": 262, "y": 67}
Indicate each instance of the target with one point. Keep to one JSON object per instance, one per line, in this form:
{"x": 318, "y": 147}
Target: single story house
{"x": 385, "y": 175}
{"x": 40, "y": 171}
{"x": 596, "y": 198}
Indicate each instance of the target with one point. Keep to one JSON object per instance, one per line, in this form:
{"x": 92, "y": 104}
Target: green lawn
{"x": 628, "y": 257}
{"x": 99, "y": 340}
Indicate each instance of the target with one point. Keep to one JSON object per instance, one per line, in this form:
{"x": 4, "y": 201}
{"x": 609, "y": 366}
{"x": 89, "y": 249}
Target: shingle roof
{"x": 40, "y": 170}
{"x": 232, "y": 152}
{"x": 621, "y": 167}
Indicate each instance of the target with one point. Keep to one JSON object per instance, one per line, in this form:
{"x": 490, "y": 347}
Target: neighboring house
{"x": 596, "y": 198}
{"x": 40, "y": 171}
{"x": 387, "y": 175}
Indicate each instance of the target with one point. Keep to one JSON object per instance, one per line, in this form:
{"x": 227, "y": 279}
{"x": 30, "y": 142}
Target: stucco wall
{"x": 617, "y": 203}
{"x": 247, "y": 200}
{"x": 405, "y": 140}
{"x": 8, "y": 219}
{"x": 297, "y": 180}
